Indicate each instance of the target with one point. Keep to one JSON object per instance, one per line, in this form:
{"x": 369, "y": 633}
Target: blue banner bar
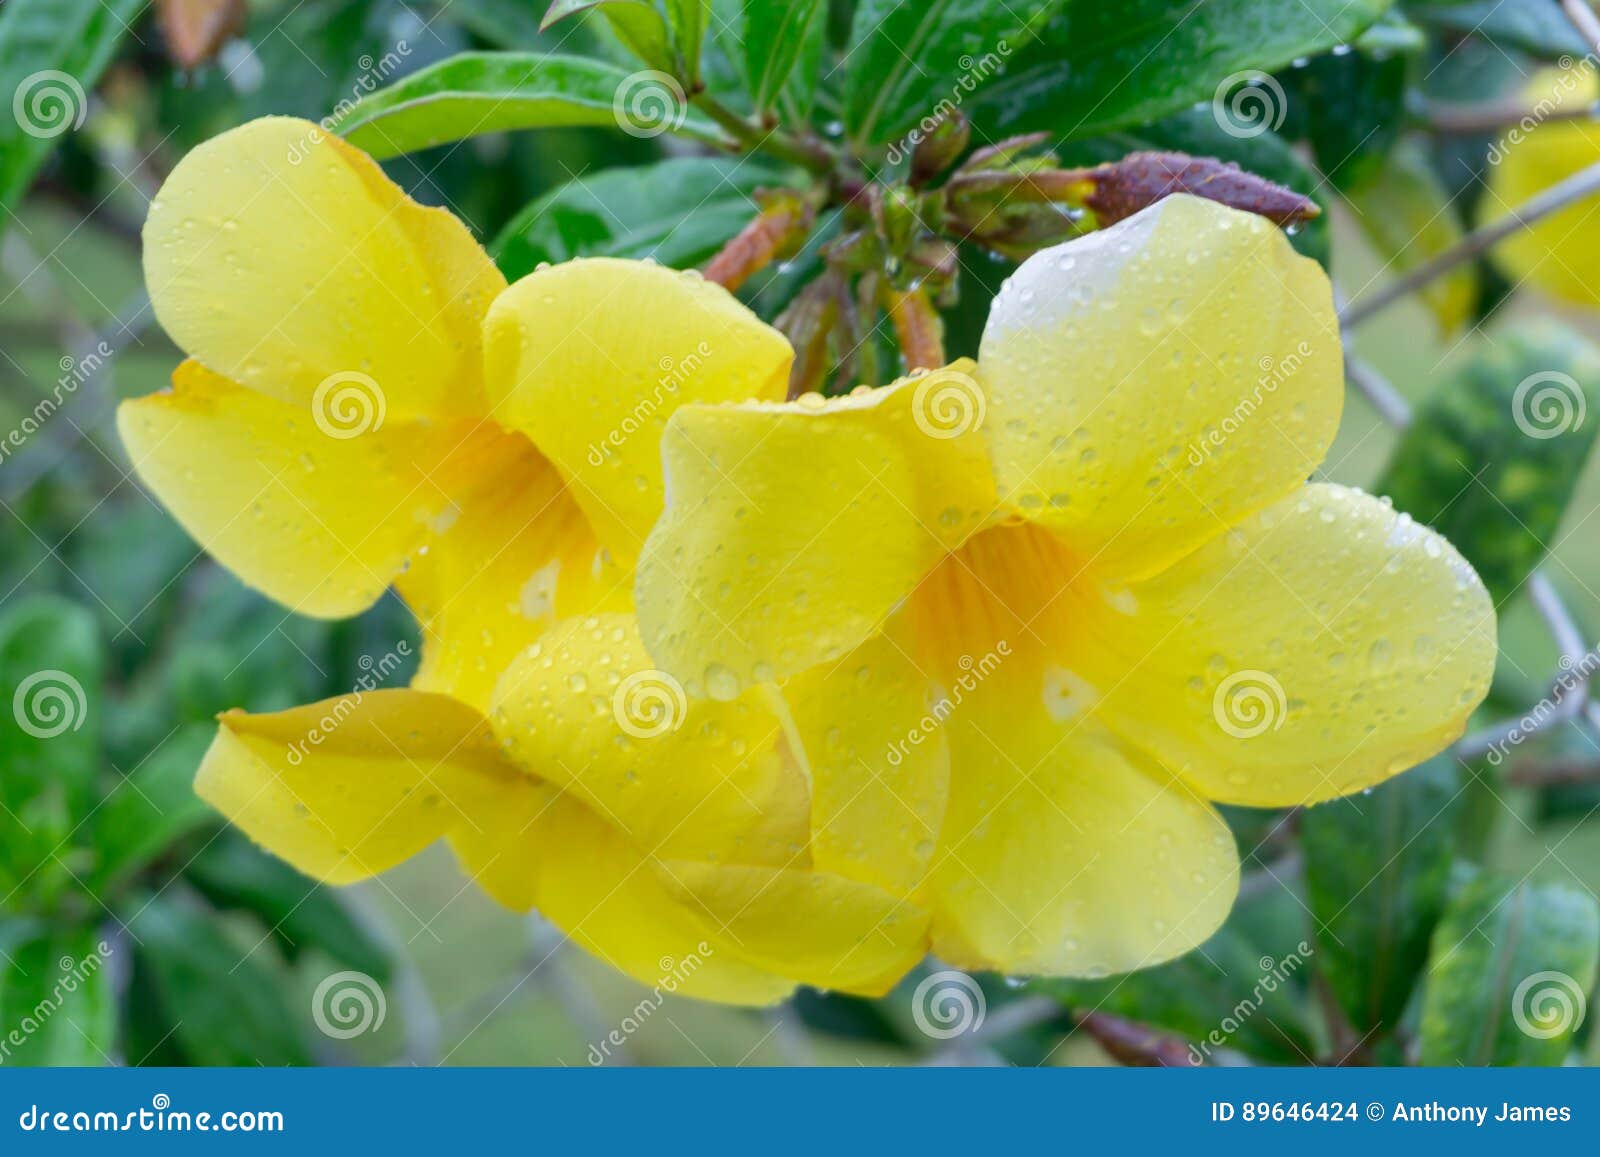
{"x": 780, "y": 1111}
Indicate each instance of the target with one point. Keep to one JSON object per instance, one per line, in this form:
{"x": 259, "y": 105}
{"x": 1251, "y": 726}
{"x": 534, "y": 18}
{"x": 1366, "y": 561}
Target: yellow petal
{"x": 795, "y": 528}
{"x": 349, "y": 787}
{"x": 506, "y": 558}
{"x": 320, "y": 523}
{"x": 1558, "y": 253}
{"x": 817, "y": 928}
{"x": 1064, "y": 854}
{"x": 879, "y": 765}
{"x": 585, "y": 708}
{"x": 590, "y": 358}
{"x": 1322, "y": 646}
{"x": 594, "y": 884}
{"x": 284, "y": 259}
{"x": 1154, "y": 382}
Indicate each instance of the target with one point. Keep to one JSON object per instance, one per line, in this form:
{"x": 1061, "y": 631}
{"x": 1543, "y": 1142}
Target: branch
{"x": 1584, "y": 183}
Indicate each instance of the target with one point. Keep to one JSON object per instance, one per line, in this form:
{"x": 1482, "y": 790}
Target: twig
{"x": 1134, "y": 1044}
{"x": 1584, "y": 183}
{"x": 1489, "y": 117}
{"x": 1391, "y": 407}
{"x": 1584, "y": 20}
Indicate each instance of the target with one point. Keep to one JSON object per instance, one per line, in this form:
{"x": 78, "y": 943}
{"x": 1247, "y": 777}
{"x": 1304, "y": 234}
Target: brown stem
{"x": 1134, "y": 1044}
{"x": 917, "y": 327}
{"x": 771, "y": 234}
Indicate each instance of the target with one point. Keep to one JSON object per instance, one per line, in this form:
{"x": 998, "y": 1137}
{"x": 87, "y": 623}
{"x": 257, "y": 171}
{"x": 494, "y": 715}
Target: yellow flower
{"x": 1560, "y": 252}
{"x": 367, "y": 403}
{"x": 1099, "y": 546}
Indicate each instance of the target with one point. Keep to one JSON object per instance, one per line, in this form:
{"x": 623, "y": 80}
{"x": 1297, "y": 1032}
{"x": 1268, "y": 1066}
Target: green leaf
{"x": 489, "y": 92}
{"x": 221, "y": 1005}
{"x": 678, "y": 212}
{"x": 688, "y": 20}
{"x": 637, "y": 24}
{"x": 1512, "y": 966}
{"x": 1377, "y": 879}
{"x": 1492, "y": 459}
{"x": 1101, "y": 66}
{"x": 151, "y": 808}
{"x": 1407, "y": 214}
{"x": 910, "y": 59}
{"x": 1353, "y": 105}
{"x": 51, "y": 704}
{"x": 1525, "y": 25}
{"x": 51, "y": 54}
{"x": 300, "y": 913}
{"x": 775, "y": 35}
{"x": 1237, "y": 991}
{"x": 57, "y": 1007}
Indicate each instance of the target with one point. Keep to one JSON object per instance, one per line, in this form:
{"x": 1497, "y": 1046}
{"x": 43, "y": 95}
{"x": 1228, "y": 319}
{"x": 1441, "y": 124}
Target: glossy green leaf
{"x": 489, "y": 92}
{"x": 1512, "y": 966}
{"x": 57, "y": 1006}
{"x": 1492, "y": 459}
{"x": 221, "y": 1004}
{"x": 1377, "y": 871}
{"x": 151, "y": 807}
{"x": 678, "y": 212}
{"x": 639, "y": 25}
{"x": 51, "y": 54}
{"x": 911, "y": 59}
{"x": 1354, "y": 108}
{"x": 301, "y": 914}
{"x": 1102, "y": 66}
{"x": 776, "y": 35}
